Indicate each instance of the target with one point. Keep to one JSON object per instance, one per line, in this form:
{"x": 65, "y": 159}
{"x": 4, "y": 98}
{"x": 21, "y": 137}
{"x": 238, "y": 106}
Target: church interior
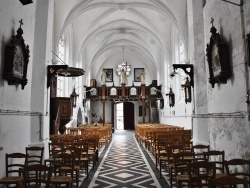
{"x": 124, "y": 65}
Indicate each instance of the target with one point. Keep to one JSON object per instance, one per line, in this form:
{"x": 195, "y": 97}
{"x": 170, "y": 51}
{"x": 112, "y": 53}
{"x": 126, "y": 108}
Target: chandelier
{"x": 123, "y": 66}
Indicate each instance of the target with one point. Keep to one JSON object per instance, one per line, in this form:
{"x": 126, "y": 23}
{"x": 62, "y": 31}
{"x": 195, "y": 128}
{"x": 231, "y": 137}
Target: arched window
{"x": 78, "y": 85}
{"x": 60, "y": 79}
{"x": 182, "y": 55}
{"x": 182, "y": 59}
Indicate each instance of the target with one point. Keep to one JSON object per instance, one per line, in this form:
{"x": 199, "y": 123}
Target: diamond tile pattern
{"x": 124, "y": 165}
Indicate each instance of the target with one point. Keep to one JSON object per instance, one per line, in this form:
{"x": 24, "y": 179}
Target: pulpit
{"x": 60, "y": 113}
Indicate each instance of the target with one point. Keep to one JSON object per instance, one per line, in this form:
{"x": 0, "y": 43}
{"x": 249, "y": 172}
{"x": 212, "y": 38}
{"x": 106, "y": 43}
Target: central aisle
{"x": 124, "y": 165}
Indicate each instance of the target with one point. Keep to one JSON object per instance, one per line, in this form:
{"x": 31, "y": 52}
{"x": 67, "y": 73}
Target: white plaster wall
{"x": 14, "y": 136}
{"x": 42, "y": 57}
{"x": 197, "y": 58}
{"x": 228, "y": 133}
{"x": 97, "y": 108}
{"x": 15, "y": 130}
{"x": 179, "y": 115}
{"x": 18, "y": 131}
{"x": 247, "y": 15}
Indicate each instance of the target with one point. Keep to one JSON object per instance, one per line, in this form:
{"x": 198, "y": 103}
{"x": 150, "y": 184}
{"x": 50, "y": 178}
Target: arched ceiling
{"x": 99, "y": 29}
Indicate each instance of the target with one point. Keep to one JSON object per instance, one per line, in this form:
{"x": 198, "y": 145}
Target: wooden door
{"x": 128, "y": 116}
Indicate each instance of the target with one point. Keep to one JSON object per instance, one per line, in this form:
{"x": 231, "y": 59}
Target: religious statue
{"x": 104, "y": 77}
{"x": 123, "y": 76}
{"x": 143, "y": 73}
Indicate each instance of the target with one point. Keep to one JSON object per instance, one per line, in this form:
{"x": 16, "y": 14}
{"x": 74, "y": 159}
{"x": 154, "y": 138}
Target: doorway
{"x": 119, "y": 116}
{"x": 124, "y": 116}
{"x": 129, "y": 115}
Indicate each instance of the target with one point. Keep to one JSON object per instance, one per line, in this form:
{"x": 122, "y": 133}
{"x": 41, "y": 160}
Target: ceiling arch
{"x": 101, "y": 27}
{"x": 112, "y": 54}
{"x": 128, "y": 31}
{"x": 137, "y": 53}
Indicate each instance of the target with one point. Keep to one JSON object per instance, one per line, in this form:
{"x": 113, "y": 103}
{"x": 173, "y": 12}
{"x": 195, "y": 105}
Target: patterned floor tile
{"x": 124, "y": 164}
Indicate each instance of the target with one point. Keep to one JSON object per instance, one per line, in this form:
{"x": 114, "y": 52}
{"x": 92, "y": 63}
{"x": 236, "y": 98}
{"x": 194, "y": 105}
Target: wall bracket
{"x": 185, "y": 68}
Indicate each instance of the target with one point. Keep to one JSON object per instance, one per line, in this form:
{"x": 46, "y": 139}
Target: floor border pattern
{"x": 124, "y": 164}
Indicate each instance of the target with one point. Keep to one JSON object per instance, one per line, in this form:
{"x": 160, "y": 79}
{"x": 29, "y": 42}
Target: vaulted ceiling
{"x": 105, "y": 32}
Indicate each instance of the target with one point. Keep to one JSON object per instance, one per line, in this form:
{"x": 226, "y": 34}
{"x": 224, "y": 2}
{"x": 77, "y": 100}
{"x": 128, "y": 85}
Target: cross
{"x": 212, "y": 21}
{"x": 21, "y": 22}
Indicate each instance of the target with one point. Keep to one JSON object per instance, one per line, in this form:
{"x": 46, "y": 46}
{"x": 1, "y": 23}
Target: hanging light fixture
{"x": 171, "y": 96}
{"x": 123, "y": 66}
{"x": 74, "y": 96}
{"x": 187, "y": 90}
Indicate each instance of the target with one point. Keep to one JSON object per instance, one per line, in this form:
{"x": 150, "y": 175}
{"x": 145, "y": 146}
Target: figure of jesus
{"x": 123, "y": 76}
{"x": 143, "y": 73}
{"x": 103, "y": 77}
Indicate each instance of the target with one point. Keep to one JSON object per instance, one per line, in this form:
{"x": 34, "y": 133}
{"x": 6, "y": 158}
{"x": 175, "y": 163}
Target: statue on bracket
{"x": 143, "y": 73}
{"x": 123, "y": 77}
{"x": 218, "y": 58}
{"x": 104, "y": 77}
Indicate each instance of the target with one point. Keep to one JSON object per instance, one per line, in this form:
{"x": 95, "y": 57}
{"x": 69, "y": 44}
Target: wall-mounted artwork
{"x": 218, "y": 58}
{"x": 109, "y": 75}
{"x": 137, "y": 74}
{"x": 16, "y": 59}
{"x": 247, "y": 48}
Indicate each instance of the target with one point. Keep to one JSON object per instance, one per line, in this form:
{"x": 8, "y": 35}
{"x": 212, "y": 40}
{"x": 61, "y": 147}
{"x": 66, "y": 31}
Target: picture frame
{"x": 217, "y": 53}
{"x": 109, "y": 75}
{"x": 137, "y": 74}
{"x": 247, "y": 48}
{"x": 16, "y": 62}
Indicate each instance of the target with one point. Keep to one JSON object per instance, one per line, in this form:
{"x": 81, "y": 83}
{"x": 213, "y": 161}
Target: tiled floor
{"x": 124, "y": 164}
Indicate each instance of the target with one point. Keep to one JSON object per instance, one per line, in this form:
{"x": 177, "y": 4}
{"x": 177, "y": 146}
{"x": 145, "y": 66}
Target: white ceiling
{"x": 99, "y": 29}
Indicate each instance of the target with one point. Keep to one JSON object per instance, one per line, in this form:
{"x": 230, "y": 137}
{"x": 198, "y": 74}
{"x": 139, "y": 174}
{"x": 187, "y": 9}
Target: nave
{"x": 124, "y": 164}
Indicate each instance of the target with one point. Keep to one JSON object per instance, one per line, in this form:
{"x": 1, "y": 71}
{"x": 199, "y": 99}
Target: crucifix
{"x": 212, "y": 21}
{"x": 21, "y": 22}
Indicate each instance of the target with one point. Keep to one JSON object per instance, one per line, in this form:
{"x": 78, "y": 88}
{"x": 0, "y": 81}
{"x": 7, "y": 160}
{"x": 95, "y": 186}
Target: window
{"x": 182, "y": 74}
{"x": 182, "y": 56}
{"x": 60, "y": 79}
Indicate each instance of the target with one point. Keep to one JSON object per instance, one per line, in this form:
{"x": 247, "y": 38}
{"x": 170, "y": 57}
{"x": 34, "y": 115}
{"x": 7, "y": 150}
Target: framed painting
{"x": 218, "y": 58}
{"x": 137, "y": 74}
{"x": 109, "y": 75}
{"x": 248, "y": 49}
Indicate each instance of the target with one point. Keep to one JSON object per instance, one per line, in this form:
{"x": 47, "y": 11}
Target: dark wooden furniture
{"x": 198, "y": 150}
{"x": 35, "y": 155}
{"x": 14, "y": 163}
{"x": 230, "y": 181}
{"x": 60, "y": 113}
{"x": 148, "y": 95}
{"x": 37, "y": 175}
{"x": 239, "y": 168}
{"x": 200, "y": 173}
{"x": 180, "y": 166}
{"x": 218, "y": 158}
